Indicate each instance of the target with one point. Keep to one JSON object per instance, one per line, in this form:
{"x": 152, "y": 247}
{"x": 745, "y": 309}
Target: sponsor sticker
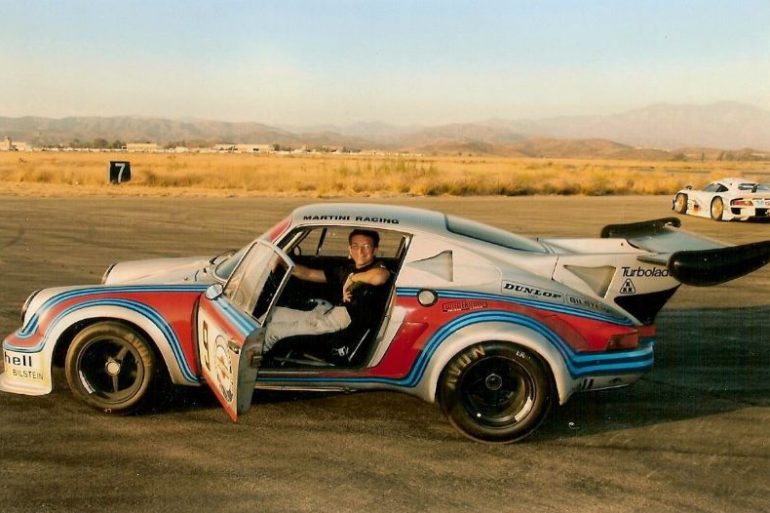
{"x": 223, "y": 370}
{"x": 645, "y": 272}
{"x": 510, "y": 287}
{"x": 24, "y": 366}
{"x": 358, "y": 219}
{"x": 463, "y": 305}
{"x": 628, "y": 287}
{"x": 587, "y": 304}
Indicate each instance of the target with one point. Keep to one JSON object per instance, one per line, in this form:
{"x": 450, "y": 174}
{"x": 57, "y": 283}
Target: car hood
{"x": 197, "y": 269}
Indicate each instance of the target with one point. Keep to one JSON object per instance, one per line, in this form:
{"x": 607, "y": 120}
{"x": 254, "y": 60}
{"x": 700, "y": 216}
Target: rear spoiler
{"x": 691, "y": 259}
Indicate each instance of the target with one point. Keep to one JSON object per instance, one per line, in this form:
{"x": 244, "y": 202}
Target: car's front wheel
{"x": 680, "y": 203}
{"x": 717, "y": 209}
{"x": 495, "y": 392}
{"x": 111, "y": 367}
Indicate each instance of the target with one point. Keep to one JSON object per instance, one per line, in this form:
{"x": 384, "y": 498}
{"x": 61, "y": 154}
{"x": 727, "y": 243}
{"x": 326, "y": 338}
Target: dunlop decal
{"x": 529, "y": 290}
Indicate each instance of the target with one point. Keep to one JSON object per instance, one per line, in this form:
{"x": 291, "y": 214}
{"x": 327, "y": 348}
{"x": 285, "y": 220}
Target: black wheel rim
{"x": 497, "y": 392}
{"x": 111, "y": 369}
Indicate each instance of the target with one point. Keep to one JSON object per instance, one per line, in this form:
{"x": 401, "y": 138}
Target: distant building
{"x": 7, "y": 145}
{"x": 244, "y": 148}
{"x": 254, "y": 148}
{"x": 142, "y": 147}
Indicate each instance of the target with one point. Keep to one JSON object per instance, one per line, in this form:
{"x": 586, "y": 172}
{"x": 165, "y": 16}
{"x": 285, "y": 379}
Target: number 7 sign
{"x": 119, "y": 171}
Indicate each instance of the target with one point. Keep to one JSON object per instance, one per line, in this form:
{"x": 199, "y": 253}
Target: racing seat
{"x": 348, "y": 347}
{"x": 340, "y": 349}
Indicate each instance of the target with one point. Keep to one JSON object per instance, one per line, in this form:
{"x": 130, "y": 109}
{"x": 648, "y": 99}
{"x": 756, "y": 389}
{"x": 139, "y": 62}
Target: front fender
{"x": 498, "y": 331}
{"x": 45, "y": 339}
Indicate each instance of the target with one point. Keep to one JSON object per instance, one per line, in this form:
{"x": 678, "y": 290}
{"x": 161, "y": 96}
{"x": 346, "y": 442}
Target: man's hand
{"x": 347, "y": 289}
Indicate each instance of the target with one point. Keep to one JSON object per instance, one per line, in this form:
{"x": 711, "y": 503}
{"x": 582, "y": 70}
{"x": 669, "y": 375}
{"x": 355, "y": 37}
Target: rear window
{"x": 492, "y": 235}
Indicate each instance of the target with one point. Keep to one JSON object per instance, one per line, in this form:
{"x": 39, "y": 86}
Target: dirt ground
{"x": 694, "y": 435}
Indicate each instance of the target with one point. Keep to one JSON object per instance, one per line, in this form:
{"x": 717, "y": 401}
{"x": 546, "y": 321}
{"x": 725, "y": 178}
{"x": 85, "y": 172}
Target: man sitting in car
{"x": 353, "y": 281}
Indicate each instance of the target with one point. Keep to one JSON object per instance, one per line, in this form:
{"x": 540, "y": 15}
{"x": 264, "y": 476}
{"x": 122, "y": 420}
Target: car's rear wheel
{"x": 495, "y": 392}
{"x": 680, "y": 203}
{"x": 717, "y": 209}
{"x": 111, "y": 367}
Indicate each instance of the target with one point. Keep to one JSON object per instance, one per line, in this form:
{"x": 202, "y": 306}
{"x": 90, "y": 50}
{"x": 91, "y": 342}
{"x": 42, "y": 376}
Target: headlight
{"x": 25, "y": 306}
{"x": 107, "y": 273}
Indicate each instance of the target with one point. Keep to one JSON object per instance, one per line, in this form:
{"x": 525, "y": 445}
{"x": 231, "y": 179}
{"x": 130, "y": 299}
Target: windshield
{"x": 225, "y": 268}
{"x": 491, "y": 234}
{"x": 257, "y": 281}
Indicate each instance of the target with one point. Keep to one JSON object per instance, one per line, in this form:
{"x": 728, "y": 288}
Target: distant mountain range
{"x": 652, "y": 132}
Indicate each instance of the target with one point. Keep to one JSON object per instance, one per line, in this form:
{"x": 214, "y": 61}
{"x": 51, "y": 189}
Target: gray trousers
{"x": 287, "y": 322}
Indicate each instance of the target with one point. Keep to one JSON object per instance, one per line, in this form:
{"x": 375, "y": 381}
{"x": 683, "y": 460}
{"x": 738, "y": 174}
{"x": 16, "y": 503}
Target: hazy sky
{"x": 343, "y": 61}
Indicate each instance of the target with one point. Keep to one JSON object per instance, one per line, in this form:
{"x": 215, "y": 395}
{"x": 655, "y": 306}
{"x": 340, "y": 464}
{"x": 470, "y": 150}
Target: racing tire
{"x": 112, "y": 368}
{"x": 717, "y": 209}
{"x": 680, "y": 203}
{"x": 495, "y": 392}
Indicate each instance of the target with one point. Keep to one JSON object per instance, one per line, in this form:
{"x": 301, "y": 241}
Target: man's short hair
{"x": 367, "y": 233}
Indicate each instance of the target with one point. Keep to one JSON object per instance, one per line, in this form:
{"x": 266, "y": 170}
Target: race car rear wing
{"x": 691, "y": 259}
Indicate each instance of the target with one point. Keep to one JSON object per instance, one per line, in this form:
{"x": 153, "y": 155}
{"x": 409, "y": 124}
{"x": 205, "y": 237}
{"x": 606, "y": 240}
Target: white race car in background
{"x": 725, "y": 200}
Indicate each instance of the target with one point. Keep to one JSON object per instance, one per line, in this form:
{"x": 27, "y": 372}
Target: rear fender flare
{"x": 503, "y": 332}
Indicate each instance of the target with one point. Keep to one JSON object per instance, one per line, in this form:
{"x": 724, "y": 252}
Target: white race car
{"x": 725, "y": 200}
{"x": 495, "y": 327}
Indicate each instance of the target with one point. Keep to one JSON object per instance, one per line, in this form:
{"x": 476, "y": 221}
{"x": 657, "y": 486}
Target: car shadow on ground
{"x": 707, "y": 361}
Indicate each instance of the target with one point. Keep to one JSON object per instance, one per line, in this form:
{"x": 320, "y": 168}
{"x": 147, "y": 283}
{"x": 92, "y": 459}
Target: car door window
{"x": 256, "y": 281}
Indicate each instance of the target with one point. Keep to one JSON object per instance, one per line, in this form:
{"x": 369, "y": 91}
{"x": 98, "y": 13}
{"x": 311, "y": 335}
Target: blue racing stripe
{"x": 533, "y": 303}
{"x": 245, "y": 324}
{"x": 32, "y": 325}
{"x": 578, "y": 364}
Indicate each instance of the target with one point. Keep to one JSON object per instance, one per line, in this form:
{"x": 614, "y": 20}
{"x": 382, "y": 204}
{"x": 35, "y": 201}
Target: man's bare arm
{"x": 308, "y": 274}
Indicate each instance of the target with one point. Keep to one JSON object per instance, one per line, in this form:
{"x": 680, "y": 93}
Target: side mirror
{"x": 689, "y": 187}
{"x": 214, "y": 291}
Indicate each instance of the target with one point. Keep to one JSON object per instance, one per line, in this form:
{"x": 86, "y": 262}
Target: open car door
{"x": 231, "y": 323}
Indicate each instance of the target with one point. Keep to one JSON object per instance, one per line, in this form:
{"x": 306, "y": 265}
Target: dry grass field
{"x": 72, "y": 173}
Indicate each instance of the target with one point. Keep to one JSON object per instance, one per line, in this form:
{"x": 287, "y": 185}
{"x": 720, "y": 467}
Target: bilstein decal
{"x": 586, "y": 303}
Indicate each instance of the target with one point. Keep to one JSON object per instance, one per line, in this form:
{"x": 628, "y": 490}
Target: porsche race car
{"x": 725, "y": 200}
{"x": 494, "y": 327}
